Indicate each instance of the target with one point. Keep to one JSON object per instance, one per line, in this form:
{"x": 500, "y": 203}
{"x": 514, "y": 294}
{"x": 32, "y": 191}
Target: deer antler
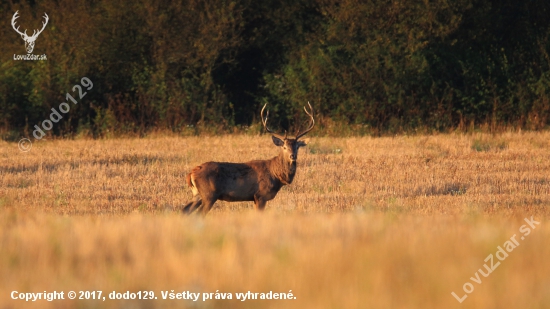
{"x": 43, "y": 26}
{"x": 34, "y": 34}
{"x": 311, "y": 125}
{"x": 264, "y": 121}
{"x": 15, "y": 16}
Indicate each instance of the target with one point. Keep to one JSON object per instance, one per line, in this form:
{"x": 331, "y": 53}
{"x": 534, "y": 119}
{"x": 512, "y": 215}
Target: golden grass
{"x": 368, "y": 223}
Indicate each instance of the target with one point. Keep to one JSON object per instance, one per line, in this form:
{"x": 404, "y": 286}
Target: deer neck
{"x": 282, "y": 169}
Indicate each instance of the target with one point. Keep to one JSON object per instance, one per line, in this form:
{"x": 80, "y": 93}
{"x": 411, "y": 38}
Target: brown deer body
{"x": 258, "y": 181}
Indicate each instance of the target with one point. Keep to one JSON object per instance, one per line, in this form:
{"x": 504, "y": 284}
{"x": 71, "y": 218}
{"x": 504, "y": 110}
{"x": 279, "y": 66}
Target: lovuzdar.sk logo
{"x": 29, "y": 40}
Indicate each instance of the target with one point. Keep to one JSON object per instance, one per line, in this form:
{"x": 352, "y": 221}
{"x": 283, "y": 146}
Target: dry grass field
{"x": 392, "y": 222}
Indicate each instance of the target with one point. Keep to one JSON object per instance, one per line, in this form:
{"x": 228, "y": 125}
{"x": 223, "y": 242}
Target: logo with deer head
{"x": 29, "y": 40}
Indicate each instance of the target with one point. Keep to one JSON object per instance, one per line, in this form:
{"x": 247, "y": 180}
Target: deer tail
{"x": 189, "y": 178}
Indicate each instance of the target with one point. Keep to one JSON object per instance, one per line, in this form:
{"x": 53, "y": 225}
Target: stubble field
{"x": 392, "y": 222}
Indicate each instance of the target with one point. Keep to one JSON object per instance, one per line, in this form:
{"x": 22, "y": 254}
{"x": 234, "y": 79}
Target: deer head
{"x": 29, "y": 40}
{"x": 289, "y": 146}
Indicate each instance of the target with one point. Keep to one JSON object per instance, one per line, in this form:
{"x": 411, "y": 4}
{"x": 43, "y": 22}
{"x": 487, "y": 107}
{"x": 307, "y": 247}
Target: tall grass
{"x": 368, "y": 223}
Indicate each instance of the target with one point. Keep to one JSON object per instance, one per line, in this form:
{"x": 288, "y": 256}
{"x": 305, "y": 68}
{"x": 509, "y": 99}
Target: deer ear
{"x": 303, "y": 142}
{"x": 277, "y": 141}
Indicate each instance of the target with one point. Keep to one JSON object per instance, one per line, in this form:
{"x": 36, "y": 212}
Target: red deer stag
{"x": 257, "y": 180}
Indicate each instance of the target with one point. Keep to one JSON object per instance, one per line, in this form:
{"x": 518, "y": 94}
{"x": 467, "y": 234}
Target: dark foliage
{"x": 384, "y": 66}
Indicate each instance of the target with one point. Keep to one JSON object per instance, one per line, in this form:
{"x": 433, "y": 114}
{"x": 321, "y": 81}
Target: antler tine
{"x": 312, "y": 123}
{"x": 264, "y": 122}
{"x": 44, "y": 23}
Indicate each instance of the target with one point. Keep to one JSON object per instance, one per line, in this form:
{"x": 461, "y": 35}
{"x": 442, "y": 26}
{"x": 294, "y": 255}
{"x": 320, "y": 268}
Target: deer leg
{"x": 259, "y": 203}
{"x": 194, "y": 204}
{"x": 207, "y": 205}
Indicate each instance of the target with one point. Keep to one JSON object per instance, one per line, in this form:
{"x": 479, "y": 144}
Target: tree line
{"x": 366, "y": 66}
